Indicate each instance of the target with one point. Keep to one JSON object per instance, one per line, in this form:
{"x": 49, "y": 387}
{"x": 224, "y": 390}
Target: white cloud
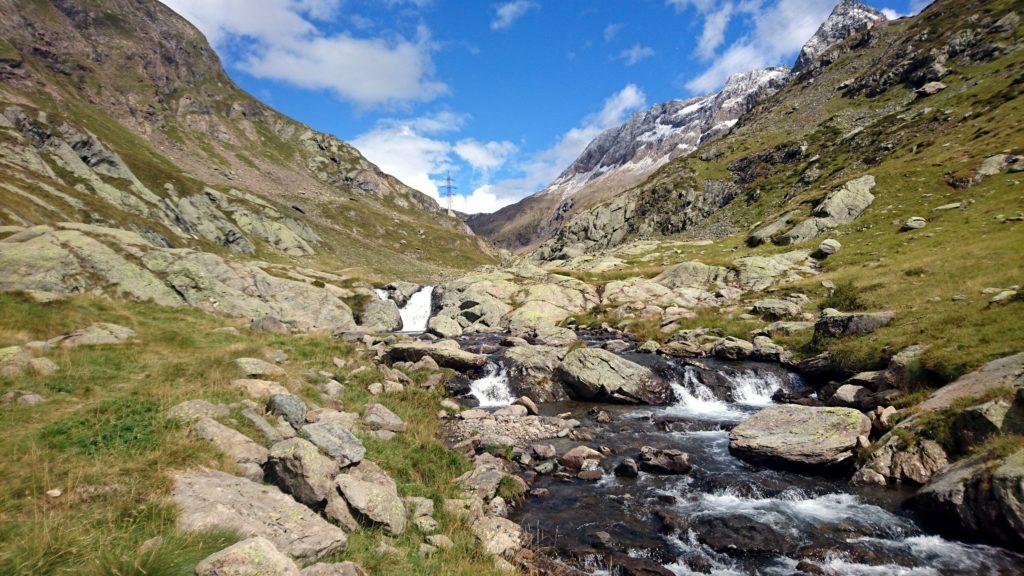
{"x": 484, "y": 156}
{"x": 611, "y": 31}
{"x": 780, "y": 29}
{"x": 540, "y": 168}
{"x": 507, "y": 13}
{"x": 281, "y": 42}
{"x": 713, "y": 34}
{"x": 482, "y": 199}
{"x": 399, "y": 150}
{"x": 635, "y": 54}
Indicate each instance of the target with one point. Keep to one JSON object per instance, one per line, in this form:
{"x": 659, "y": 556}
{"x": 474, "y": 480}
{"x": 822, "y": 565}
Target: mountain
{"x": 625, "y": 156}
{"x": 117, "y": 113}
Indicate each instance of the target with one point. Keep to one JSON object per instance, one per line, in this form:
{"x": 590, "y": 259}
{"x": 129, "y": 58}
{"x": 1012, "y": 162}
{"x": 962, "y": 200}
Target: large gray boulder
{"x": 255, "y": 556}
{"x": 839, "y": 207}
{"x": 595, "y": 374}
{"x": 799, "y": 436}
{"x": 369, "y": 491}
{"x": 381, "y": 315}
{"x": 531, "y": 371}
{"x": 210, "y": 500}
{"x": 898, "y": 460}
{"x": 334, "y": 439}
{"x": 446, "y": 355}
{"x": 835, "y": 324}
{"x": 1007, "y": 372}
{"x": 977, "y": 498}
{"x": 298, "y": 467}
{"x": 249, "y": 455}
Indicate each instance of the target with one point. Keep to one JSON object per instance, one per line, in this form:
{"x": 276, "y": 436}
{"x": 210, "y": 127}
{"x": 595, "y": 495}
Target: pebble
{"x": 54, "y": 493}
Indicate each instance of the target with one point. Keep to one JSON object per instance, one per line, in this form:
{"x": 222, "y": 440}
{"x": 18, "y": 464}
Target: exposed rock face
{"x": 373, "y": 494}
{"x": 839, "y": 207}
{"x": 246, "y": 453}
{"x": 334, "y": 439}
{"x": 300, "y": 469}
{"x": 531, "y": 371}
{"x": 849, "y": 17}
{"x": 446, "y": 356}
{"x": 210, "y": 500}
{"x": 894, "y": 462}
{"x": 81, "y": 258}
{"x": 799, "y": 436}
{"x": 381, "y": 315}
{"x": 251, "y": 557}
{"x": 594, "y": 374}
{"x": 977, "y": 499}
{"x": 1005, "y": 372}
{"x": 835, "y": 324}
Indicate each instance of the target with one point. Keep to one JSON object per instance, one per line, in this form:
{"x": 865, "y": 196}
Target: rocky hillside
{"x": 118, "y": 114}
{"x": 622, "y": 157}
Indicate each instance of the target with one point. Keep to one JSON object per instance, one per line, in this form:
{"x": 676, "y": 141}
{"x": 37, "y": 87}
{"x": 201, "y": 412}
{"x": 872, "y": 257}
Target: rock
{"x": 269, "y": 324}
{"x": 426, "y": 524}
{"x": 100, "y": 333}
{"x": 42, "y": 366}
{"x": 852, "y": 396}
{"x": 828, "y": 247}
{"x": 1003, "y": 297}
{"x": 544, "y": 451}
{"x": 372, "y": 493}
{"x": 275, "y": 355}
{"x": 530, "y": 371}
{"x": 594, "y": 374}
{"x": 483, "y": 480}
{"x": 930, "y": 89}
{"x": 649, "y": 347}
{"x": 740, "y": 534}
{"x": 334, "y": 569}
{"x": 1007, "y": 372}
{"x": 258, "y": 388}
{"x": 271, "y": 435}
{"x": 774, "y": 309}
{"x": 337, "y": 511}
{"x": 425, "y": 364}
{"x": 732, "y": 348}
{"x": 445, "y": 356}
{"x": 574, "y": 458}
{"x": 256, "y": 368}
{"x": 799, "y": 436}
{"x": 627, "y": 468}
{"x": 659, "y": 461}
{"x": 381, "y": 315}
{"x": 378, "y": 417}
{"x": 841, "y": 206}
{"x": 289, "y": 407}
{"x": 513, "y": 412}
{"x": 977, "y": 424}
{"x": 192, "y": 410}
{"x": 526, "y": 402}
{"x": 444, "y": 326}
{"x": 977, "y": 498}
{"x": 915, "y": 223}
{"x": 440, "y": 541}
{"x": 255, "y": 556}
{"x": 419, "y": 506}
{"x": 893, "y": 461}
{"x": 835, "y": 324}
{"x": 334, "y": 439}
{"x": 234, "y": 444}
{"x": 209, "y": 500}
{"x": 499, "y": 536}
{"x": 298, "y": 467}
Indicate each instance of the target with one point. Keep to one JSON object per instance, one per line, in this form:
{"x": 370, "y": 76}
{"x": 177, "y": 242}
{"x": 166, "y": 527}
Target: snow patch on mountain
{"x": 848, "y": 17}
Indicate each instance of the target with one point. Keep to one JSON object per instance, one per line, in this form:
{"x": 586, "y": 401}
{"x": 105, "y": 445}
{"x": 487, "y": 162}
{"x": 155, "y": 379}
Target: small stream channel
{"x": 726, "y": 517}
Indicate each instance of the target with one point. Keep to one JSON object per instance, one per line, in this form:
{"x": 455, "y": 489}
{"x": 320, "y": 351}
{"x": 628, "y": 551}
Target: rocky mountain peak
{"x": 847, "y": 18}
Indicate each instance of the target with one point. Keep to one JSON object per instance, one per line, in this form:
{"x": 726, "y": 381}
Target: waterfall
{"x": 416, "y": 311}
{"x": 492, "y": 390}
{"x": 752, "y": 388}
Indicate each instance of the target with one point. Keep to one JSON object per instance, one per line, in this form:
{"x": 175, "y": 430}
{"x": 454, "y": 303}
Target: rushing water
{"x": 416, "y": 312}
{"x": 824, "y": 522}
{"x": 492, "y": 390}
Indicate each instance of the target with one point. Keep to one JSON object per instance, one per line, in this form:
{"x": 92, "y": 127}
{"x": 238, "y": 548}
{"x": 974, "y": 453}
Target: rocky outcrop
{"x": 595, "y": 374}
{"x": 839, "y": 207}
{"x": 209, "y": 500}
{"x": 381, "y": 316}
{"x": 251, "y": 557}
{"x": 76, "y": 258}
{"x": 977, "y": 498}
{"x": 371, "y": 493}
{"x": 447, "y": 354}
{"x": 835, "y": 324}
{"x": 800, "y": 436}
{"x": 531, "y": 369}
{"x": 848, "y": 18}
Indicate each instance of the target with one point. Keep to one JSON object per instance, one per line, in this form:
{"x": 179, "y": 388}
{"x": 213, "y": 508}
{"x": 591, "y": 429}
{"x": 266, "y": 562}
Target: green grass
{"x": 101, "y": 439}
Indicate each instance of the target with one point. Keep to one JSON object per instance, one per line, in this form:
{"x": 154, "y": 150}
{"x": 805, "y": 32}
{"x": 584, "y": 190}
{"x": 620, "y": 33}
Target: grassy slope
{"x": 101, "y": 439}
{"x": 959, "y": 252}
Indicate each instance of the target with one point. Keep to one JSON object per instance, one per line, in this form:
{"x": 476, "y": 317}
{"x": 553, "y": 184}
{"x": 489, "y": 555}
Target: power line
{"x": 448, "y": 188}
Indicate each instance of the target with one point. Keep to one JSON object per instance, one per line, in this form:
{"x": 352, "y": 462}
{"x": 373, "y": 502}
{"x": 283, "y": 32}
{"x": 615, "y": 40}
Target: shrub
{"x": 845, "y": 297}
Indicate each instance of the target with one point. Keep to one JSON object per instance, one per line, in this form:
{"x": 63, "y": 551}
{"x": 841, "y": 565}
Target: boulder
{"x": 828, "y": 247}
{"x": 732, "y": 348}
{"x": 446, "y": 356}
{"x": 98, "y": 334}
{"x": 334, "y": 569}
{"x": 444, "y": 326}
{"x": 661, "y": 461}
{"x": 249, "y": 455}
{"x": 373, "y": 494}
{"x": 775, "y": 309}
{"x": 1006, "y": 372}
{"x": 334, "y": 439}
{"x": 914, "y": 223}
{"x": 209, "y": 500}
{"x": 799, "y": 436}
{"x": 192, "y": 410}
{"x": 530, "y": 370}
{"x": 255, "y": 556}
{"x": 740, "y": 534}
{"x": 599, "y": 375}
{"x": 298, "y": 467}
{"x": 378, "y": 417}
{"x": 694, "y": 275}
{"x": 574, "y": 458}
{"x": 839, "y": 207}
{"x": 256, "y": 368}
{"x": 852, "y": 396}
{"x": 627, "y": 468}
{"x": 835, "y": 324}
{"x": 499, "y": 536}
{"x": 258, "y": 388}
{"x": 977, "y": 498}
{"x": 976, "y": 424}
{"x": 760, "y": 272}
{"x": 895, "y": 461}
{"x": 289, "y": 407}
{"x": 381, "y": 315}
{"x": 269, "y": 324}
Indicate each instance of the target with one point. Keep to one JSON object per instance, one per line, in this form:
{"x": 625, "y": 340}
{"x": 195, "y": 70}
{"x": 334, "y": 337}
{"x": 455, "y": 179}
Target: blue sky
{"x": 504, "y": 94}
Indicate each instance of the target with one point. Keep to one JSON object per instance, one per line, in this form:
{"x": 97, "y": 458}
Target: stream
{"x": 725, "y": 517}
